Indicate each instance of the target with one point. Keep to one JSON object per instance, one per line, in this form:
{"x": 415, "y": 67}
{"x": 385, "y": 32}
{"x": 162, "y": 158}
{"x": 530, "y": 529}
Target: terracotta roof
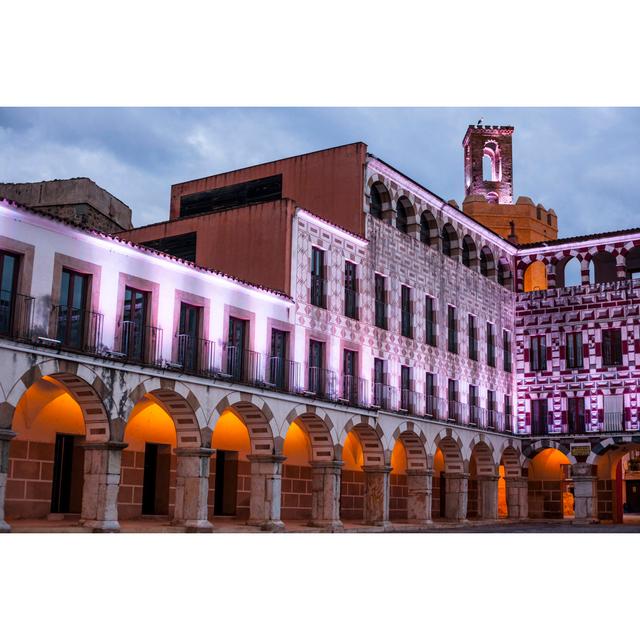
{"x": 139, "y": 247}
{"x": 594, "y": 236}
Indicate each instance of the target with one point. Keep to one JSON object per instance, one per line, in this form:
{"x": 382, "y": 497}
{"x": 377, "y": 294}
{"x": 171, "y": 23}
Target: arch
{"x": 414, "y": 444}
{"x": 319, "y": 429}
{"x": 469, "y": 253}
{"x": 450, "y": 241}
{"x": 487, "y": 263}
{"x": 379, "y": 200}
{"x": 483, "y": 453}
{"x": 530, "y": 451}
{"x": 429, "y": 232}
{"x": 256, "y": 416}
{"x": 83, "y": 385}
{"x": 177, "y": 400}
{"x": 404, "y": 210}
{"x": 549, "y": 480}
{"x": 505, "y": 278}
{"x": 568, "y": 272}
{"x": 369, "y": 435}
{"x": 491, "y": 150}
{"x": 535, "y": 276}
{"x": 512, "y": 460}
{"x": 602, "y": 268}
{"x": 632, "y": 263}
{"x": 451, "y": 447}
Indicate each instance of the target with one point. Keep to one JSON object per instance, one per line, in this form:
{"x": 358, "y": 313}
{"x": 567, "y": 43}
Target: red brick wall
{"x": 472, "y": 498}
{"x": 435, "y": 497}
{"x": 605, "y": 499}
{"x": 296, "y": 493}
{"x": 30, "y": 479}
{"x": 398, "y": 497}
{"x": 545, "y": 499}
{"x": 352, "y": 495}
{"x": 243, "y": 495}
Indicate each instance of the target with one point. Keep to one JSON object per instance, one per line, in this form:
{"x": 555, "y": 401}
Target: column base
{"x": 583, "y": 521}
{"x": 102, "y": 526}
{"x": 267, "y": 525}
{"x": 197, "y": 526}
{"x": 5, "y": 527}
{"x": 327, "y": 525}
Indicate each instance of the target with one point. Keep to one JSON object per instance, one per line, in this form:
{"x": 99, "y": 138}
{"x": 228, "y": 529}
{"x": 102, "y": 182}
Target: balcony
{"x": 322, "y": 383}
{"x": 411, "y": 402}
{"x": 194, "y": 355}
{"x": 77, "y": 329}
{"x": 384, "y": 397}
{"x": 243, "y": 365}
{"x": 16, "y": 315}
{"x": 283, "y": 375}
{"x": 354, "y": 391}
{"x": 140, "y": 343}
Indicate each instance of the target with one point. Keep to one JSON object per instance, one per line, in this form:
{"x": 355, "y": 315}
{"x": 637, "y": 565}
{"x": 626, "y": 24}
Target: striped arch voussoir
{"x": 533, "y": 449}
{"x": 319, "y": 428}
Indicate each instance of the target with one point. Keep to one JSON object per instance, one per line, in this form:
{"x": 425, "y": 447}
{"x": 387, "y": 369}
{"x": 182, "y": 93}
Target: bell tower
{"x": 488, "y": 163}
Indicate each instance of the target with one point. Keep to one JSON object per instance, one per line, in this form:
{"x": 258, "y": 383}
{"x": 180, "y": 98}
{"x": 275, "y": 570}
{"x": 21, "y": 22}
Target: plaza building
{"x": 320, "y": 341}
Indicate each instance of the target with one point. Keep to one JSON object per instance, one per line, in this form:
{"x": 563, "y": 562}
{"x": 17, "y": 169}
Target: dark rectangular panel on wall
{"x": 182, "y": 246}
{"x": 232, "y": 196}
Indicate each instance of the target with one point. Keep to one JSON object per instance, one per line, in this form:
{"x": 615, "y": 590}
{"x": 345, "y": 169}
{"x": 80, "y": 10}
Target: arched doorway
{"x": 550, "y": 488}
{"x": 482, "y": 502}
{"x": 450, "y": 486}
{"x": 54, "y": 418}
{"x": 535, "y": 276}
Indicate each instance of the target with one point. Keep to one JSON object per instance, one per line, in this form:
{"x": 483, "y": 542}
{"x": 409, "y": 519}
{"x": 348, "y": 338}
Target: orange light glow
{"x": 352, "y": 454}
{"x": 230, "y": 434}
{"x": 535, "y": 277}
{"x": 149, "y": 422}
{"x": 296, "y": 446}
{"x": 502, "y": 494}
{"x": 438, "y": 462}
{"x": 399, "y": 458}
{"x": 546, "y": 465}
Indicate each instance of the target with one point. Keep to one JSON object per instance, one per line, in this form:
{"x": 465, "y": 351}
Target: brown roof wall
{"x": 251, "y": 243}
{"x": 328, "y": 183}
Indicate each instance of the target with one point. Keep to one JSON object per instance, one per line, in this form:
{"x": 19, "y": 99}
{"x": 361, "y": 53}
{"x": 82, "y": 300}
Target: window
{"x": 317, "y": 278}
{"x": 188, "y": 335}
{"x": 452, "y": 342}
{"x": 538, "y": 353}
{"x": 474, "y": 413}
{"x": 381, "y": 308}
{"x": 574, "y": 350}
{"x": 539, "y": 417}
{"x": 134, "y": 323}
{"x": 375, "y": 208}
{"x": 72, "y": 309}
{"x": 506, "y": 350}
{"x": 473, "y": 338}
{"x": 8, "y": 286}
{"x": 405, "y": 299}
{"x": 430, "y": 317}
{"x": 430, "y": 394}
{"x": 379, "y": 389}
{"x": 491, "y": 345}
{"x": 281, "y": 372}
{"x": 613, "y": 413}
{"x": 350, "y": 376}
{"x": 492, "y": 417}
{"x": 452, "y": 398}
{"x": 350, "y": 291}
{"x": 508, "y": 413}
{"x": 405, "y": 389}
{"x": 401, "y": 218}
{"x": 575, "y": 415}
{"x": 317, "y": 377}
{"x": 611, "y": 347}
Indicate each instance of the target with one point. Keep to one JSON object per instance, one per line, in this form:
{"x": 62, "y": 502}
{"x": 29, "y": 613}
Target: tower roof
{"x": 487, "y": 129}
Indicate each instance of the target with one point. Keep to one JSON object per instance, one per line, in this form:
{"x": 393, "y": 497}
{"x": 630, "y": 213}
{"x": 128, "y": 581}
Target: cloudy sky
{"x": 584, "y": 163}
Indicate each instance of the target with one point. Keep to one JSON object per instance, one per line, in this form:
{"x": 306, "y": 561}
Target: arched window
{"x": 535, "y": 276}
{"x": 487, "y": 263}
{"x": 449, "y": 241}
{"x": 378, "y": 199}
{"x": 568, "y": 273}
{"x": 602, "y": 268}
{"x": 401, "y": 216}
{"x": 487, "y": 168}
{"x": 428, "y": 229}
{"x": 632, "y": 263}
{"x": 469, "y": 257}
{"x": 504, "y": 273}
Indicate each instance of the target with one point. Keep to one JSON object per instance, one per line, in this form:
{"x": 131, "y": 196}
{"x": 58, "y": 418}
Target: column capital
{"x": 377, "y": 468}
{"x": 110, "y": 445}
{"x": 7, "y": 434}
{"x": 457, "y": 476}
{"x": 326, "y": 464}
{"x": 200, "y": 452}
{"x": 266, "y": 457}
{"x": 420, "y": 472}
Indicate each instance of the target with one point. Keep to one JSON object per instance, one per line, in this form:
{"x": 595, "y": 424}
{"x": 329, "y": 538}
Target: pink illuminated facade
{"x": 399, "y": 375}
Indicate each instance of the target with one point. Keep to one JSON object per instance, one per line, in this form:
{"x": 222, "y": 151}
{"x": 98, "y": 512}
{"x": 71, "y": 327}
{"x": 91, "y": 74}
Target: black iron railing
{"x": 411, "y": 402}
{"x": 283, "y": 375}
{"x": 383, "y": 396}
{"x": 78, "y": 329}
{"x": 243, "y": 365}
{"x": 141, "y": 343}
{"x": 195, "y": 355}
{"x": 322, "y": 382}
{"x": 354, "y": 390}
{"x": 16, "y": 315}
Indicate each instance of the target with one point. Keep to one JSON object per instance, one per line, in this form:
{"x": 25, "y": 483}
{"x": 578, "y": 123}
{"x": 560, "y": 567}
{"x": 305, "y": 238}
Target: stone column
{"x": 325, "y": 499}
{"x": 101, "y": 485}
{"x": 419, "y": 489}
{"x": 192, "y": 488}
{"x": 551, "y": 275}
{"x": 488, "y": 497}
{"x": 266, "y": 492}
{"x": 389, "y": 214}
{"x": 517, "y": 490}
{"x": 6, "y": 435}
{"x": 584, "y": 272}
{"x": 456, "y": 494}
{"x": 585, "y": 492}
{"x": 376, "y": 495}
{"x": 621, "y": 267}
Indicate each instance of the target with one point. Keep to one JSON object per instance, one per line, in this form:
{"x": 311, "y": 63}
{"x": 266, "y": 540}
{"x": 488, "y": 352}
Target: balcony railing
{"x": 322, "y": 383}
{"x": 195, "y": 355}
{"x": 283, "y": 375}
{"x": 318, "y": 291}
{"x": 141, "y": 343}
{"x": 16, "y": 315}
{"x": 243, "y": 365}
{"x": 78, "y": 329}
{"x": 383, "y": 396}
{"x": 354, "y": 390}
{"x": 411, "y": 402}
